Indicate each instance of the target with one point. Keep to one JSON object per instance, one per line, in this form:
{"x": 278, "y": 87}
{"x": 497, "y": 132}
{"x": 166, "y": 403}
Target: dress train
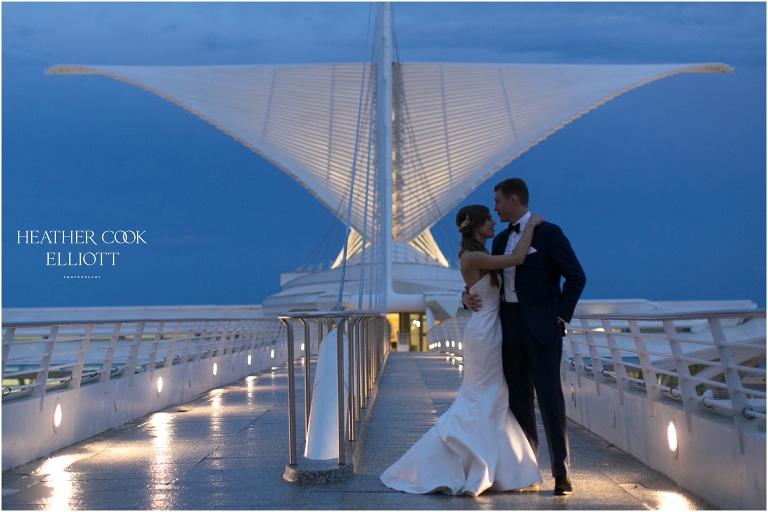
{"x": 477, "y": 444}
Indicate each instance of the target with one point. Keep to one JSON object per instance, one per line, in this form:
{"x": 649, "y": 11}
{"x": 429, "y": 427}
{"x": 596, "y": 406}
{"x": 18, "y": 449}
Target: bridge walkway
{"x": 227, "y": 450}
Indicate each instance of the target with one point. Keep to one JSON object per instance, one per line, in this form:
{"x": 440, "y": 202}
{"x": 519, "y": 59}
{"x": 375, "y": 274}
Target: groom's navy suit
{"x": 533, "y": 338}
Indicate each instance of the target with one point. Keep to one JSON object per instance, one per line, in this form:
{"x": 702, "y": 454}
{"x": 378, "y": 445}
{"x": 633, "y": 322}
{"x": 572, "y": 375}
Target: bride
{"x": 477, "y": 444}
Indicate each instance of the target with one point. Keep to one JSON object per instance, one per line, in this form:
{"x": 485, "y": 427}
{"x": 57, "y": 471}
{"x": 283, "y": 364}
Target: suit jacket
{"x": 537, "y": 281}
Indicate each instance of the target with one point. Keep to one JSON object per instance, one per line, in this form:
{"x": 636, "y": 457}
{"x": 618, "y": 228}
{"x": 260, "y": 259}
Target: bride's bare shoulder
{"x": 472, "y": 258}
{"x": 472, "y": 255}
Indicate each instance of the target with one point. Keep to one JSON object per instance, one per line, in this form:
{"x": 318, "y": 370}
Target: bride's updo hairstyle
{"x": 468, "y": 219}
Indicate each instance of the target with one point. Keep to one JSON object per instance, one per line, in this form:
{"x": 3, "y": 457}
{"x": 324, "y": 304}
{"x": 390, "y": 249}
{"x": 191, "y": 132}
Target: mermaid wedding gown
{"x": 477, "y": 444}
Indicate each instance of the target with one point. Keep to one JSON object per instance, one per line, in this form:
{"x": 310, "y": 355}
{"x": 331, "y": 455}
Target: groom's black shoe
{"x": 563, "y": 486}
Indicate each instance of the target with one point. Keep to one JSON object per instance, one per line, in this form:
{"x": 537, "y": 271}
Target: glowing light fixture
{"x": 417, "y": 323}
{"x": 249, "y": 359}
{"x": 302, "y": 347}
{"x": 672, "y": 437}
{"x": 57, "y": 415}
{"x": 438, "y": 344}
{"x": 459, "y": 345}
{"x": 272, "y": 353}
{"x": 453, "y": 344}
{"x": 159, "y": 385}
{"x": 215, "y": 369}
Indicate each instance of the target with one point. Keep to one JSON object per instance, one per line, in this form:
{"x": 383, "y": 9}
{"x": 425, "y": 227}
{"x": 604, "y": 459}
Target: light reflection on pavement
{"x": 59, "y": 480}
{"x": 228, "y": 448}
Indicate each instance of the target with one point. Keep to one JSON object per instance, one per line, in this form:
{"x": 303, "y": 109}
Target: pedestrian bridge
{"x": 81, "y": 432}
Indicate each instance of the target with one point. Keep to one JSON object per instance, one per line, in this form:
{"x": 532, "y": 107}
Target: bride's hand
{"x": 535, "y": 219}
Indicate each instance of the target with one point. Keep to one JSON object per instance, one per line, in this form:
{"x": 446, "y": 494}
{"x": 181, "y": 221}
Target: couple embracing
{"x": 512, "y": 346}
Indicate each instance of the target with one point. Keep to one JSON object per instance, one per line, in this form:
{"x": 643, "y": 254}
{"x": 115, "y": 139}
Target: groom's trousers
{"x": 530, "y": 365}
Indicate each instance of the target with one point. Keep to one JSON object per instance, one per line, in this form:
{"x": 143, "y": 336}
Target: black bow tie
{"x": 514, "y": 228}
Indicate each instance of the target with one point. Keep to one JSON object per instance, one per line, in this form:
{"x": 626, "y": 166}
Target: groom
{"x": 533, "y": 312}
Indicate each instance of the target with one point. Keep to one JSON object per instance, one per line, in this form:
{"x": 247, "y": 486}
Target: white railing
{"x": 66, "y": 380}
{"x": 682, "y": 392}
{"x": 710, "y": 362}
{"x": 638, "y": 380}
{"x": 450, "y": 331}
{"x": 40, "y": 358}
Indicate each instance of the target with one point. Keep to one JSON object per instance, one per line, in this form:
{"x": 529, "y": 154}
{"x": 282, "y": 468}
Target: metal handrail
{"x": 367, "y": 352}
{"x": 134, "y": 321}
{"x": 37, "y": 348}
{"x": 688, "y": 361}
{"x": 692, "y": 363}
{"x": 687, "y": 315}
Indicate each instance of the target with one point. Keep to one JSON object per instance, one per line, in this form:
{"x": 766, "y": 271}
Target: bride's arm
{"x": 485, "y": 261}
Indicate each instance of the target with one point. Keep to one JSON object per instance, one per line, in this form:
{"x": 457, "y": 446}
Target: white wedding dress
{"x": 477, "y": 444}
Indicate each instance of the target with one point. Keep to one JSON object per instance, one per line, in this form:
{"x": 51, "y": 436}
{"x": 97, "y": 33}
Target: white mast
{"x": 383, "y": 37}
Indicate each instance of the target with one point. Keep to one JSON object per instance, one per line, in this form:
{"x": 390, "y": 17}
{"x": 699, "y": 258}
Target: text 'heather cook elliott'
{"x": 83, "y": 237}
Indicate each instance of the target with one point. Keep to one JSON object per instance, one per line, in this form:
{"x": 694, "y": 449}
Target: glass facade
{"x": 413, "y": 325}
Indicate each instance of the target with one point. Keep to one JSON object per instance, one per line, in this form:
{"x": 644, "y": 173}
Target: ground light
{"x": 57, "y": 416}
{"x": 672, "y": 437}
{"x": 215, "y": 369}
{"x": 159, "y": 385}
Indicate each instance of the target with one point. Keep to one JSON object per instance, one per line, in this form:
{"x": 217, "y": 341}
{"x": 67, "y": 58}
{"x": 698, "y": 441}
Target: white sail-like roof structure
{"x": 457, "y": 124}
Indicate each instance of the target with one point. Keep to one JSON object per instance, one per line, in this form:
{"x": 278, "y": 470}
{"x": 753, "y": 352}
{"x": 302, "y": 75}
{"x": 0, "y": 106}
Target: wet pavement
{"x": 228, "y": 448}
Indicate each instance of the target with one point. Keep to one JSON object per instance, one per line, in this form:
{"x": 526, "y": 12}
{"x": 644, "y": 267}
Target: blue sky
{"x": 661, "y": 191}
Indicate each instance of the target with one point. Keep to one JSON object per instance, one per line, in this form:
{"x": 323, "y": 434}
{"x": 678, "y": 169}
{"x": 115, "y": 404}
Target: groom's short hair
{"x": 516, "y": 187}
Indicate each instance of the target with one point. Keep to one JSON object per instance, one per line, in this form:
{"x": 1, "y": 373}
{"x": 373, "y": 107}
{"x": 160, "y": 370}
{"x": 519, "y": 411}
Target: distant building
{"x": 389, "y": 147}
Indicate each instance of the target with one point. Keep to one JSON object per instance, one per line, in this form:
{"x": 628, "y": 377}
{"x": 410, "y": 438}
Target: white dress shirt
{"x": 510, "y": 293}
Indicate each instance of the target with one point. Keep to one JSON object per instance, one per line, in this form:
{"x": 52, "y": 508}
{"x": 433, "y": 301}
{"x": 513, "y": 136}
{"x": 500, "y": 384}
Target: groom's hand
{"x": 471, "y": 300}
